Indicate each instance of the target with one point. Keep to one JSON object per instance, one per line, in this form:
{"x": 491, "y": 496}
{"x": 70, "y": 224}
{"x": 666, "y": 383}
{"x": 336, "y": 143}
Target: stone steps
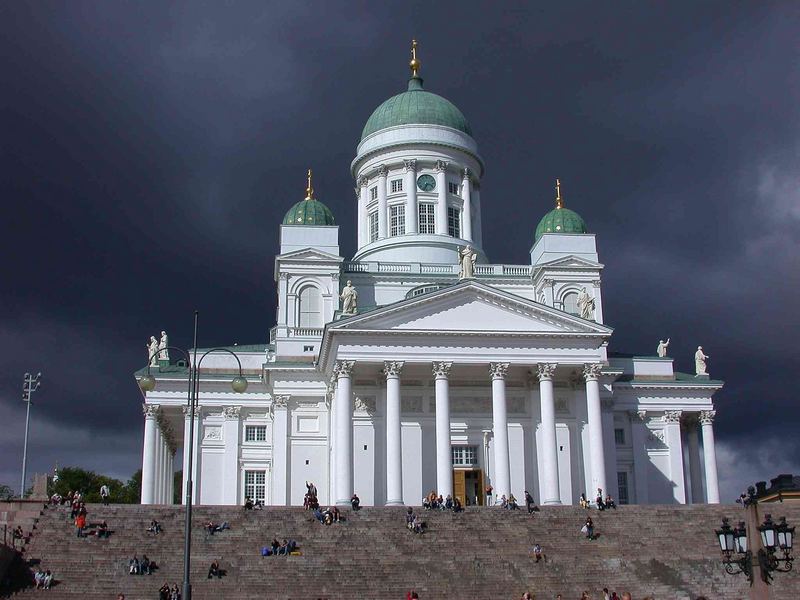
{"x": 665, "y": 551}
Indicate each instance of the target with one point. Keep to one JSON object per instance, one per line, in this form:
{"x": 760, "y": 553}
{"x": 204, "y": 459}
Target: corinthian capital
{"x": 441, "y": 165}
{"x": 410, "y": 165}
{"x": 672, "y": 416}
{"x": 546, "y": 370}
{"x": 498, "y": 370}
{"x": 441, "y": 370}
{"x": 467, "y": 174}
{"x": 392, "y": 368}
{"x": 591, "y": 371}
{"x": 343, "y": 368}
{"x": 280, "y": 401}
{"x": 707, "y": 417}
{"x": 151, "y": 411}
{"x": 231, "y": 412}
{"x": 382, "y": 171}
{"x": 363, "y": 181}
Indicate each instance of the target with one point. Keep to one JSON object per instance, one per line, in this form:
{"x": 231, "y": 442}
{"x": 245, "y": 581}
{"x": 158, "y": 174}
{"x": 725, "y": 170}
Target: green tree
{"x": 88, "y": 483}
{"x": 6, "y": 491}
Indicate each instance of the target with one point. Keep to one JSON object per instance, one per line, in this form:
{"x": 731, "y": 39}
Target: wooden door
{"x": 459, "y": 486}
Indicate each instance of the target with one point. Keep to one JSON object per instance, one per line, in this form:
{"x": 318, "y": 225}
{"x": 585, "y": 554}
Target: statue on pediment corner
{"x": 700, "y": 362}
{"x": 662, "y": 348}
{"x": 349, "y": 297}
{"x": 466, "y": 261}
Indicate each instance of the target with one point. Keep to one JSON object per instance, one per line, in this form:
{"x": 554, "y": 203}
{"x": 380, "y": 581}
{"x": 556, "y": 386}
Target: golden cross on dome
{"x": 414, "y": 64}
{"x": 559, "y": 200}
{"x": 310, "y": 188}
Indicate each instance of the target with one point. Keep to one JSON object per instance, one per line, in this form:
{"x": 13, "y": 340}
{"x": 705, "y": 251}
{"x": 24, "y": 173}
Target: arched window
{"x": 310, "y": 307}
{"x": 570, "y": 303}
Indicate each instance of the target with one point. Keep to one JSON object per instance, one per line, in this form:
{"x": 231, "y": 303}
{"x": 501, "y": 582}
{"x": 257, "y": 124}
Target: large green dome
{"x": 416, "y": 107}
{"x": 309, "y": 212}
{"x": 560, "y": 220}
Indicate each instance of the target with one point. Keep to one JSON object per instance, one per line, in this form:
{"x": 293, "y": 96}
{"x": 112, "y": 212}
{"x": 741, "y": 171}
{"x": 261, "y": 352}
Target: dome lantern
{"x": 309, "y": 211}
{"x": 560, "y": 219}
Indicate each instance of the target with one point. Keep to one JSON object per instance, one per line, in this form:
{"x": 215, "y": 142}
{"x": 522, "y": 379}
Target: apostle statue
{"x": 349, "y": 298}
{"x": 700, "y": 361}
{"x": 163, "y": 353}
{"x": 152, "y": 351}
{"x": 586, "y": 304}
{"x": 466, "y": 259}
{"x": 662, "y": 348}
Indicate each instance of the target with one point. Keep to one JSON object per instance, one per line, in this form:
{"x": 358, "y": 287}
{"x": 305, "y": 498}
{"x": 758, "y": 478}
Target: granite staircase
{"x": 668, "y": 552}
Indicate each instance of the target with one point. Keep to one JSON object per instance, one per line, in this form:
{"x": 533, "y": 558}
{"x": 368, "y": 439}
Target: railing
{"x": 305, "y": 331}
{"x": 272, "y": 334}
{"x": 437, "y": 269}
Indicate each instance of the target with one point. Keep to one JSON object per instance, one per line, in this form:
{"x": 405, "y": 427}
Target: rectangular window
{"x": 255, "y": 485}
{"x": 255, "y": 433}
{"x": 622, "y": 487}
{"x": 373, "y": 193}
{"x": 452, "y": 187}
{"x": 397, "y": 222}
{"x": 397, "y": 185}
{"x": 454, "y": 222}
{"x": 426, "y": 219}
{"x": 373, "y": 226}
{"x": 619, "y": 437}
{"x": 465, "y": 456}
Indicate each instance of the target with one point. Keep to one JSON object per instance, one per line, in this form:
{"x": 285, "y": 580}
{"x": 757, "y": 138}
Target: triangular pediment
{"x": 570, "y": 262}
{"x": 471, "y": 307}
{"x": 308, "y": 254}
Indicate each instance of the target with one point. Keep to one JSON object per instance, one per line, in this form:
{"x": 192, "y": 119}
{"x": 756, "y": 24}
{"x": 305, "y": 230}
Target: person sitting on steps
{"x": 214, "y": 570}
{"x": 538, "y": 554}
{"x": 512, "y": 503}
{"x": 583, "y": 501}
{"x": 588, "y": 528}
{"x": 599, "y": 500}
{"x": 248, "y": 503}
{"x": 355, "y": 502}
{"x": 155, "y": 527}
{"x": 457, "y": 505}
{"x": 102, "y": 530}
{"x": 610, "y": 503}
{"x": 133, "y": 566}
{"x": 145, "y": 565}
{"x": 163, "y": 592}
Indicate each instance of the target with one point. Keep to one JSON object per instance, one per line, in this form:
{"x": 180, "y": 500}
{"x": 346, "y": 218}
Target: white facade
{"x": 437, "y": 383}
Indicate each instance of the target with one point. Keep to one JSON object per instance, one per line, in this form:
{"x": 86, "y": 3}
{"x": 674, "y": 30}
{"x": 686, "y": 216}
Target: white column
{"x": 410, "y": 185}
{"x": 596, "y": 450}
{"x": 344, "y": 429}
{"x": 502, "y": 466}
{"x": 466, "y": 197}
{"x": 695, "y": 476}
{"x": 158, "y": 491}
{"x": 149, "y": 453}
{"x": 551, "y": 491}
{"x": 477, "y": 224}
{"x": 641, "y": 459}
{"x": 710, "y": 456}
{"x": 674, "y": 441}
{"x": 280, "y": 450}
{"x": 171, "y": 472}
{"x": 394, "y": 450}
{"x": 383, "y": 208}
{"x": 185, "y": 469}
{"x": 441, "y": 202}
{"x": 230, "y": 470}
{"x": 362, "y": 227}
{"x": 444, "y": 455}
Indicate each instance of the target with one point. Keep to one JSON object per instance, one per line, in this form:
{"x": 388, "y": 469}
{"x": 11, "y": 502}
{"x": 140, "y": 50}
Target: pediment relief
{"x": 471, "y": 307}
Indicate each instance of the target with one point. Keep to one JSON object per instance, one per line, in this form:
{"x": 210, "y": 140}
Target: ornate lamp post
{"x": 740, "y": 557}
{"x": 147, "y": 383}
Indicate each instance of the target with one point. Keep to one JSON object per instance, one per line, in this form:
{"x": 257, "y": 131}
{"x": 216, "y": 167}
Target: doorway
{"x": 468, "y": 486}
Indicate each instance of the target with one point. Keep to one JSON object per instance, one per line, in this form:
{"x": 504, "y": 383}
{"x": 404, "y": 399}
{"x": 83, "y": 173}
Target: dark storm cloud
{"x": 149, "y": 151}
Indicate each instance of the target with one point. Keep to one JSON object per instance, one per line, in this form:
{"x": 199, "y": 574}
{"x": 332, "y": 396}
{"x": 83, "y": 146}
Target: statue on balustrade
{"x": 163, "y": 353}
{"x": 467, "y": 262}
{"x": 152, "y": 351}
{"x": 586, "y": 305}
{"x": 349, "y": 298}
{"x": 662, "y": 348}
{"x": 700, "y": 361}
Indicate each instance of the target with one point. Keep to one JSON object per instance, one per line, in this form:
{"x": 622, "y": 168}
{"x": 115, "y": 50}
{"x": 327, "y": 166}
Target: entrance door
{"x": 468, "y": 486}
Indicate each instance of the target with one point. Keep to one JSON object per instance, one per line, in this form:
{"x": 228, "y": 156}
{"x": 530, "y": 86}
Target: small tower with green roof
{"x": 309, "y": 211}
{"x": 565, "y": 264}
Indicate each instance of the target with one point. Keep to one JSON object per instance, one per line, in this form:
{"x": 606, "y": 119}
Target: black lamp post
{"x": 147, "y": 383}
{"x": 738, "y": 557}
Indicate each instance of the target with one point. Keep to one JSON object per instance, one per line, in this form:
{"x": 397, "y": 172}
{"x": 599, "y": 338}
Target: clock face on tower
{"x": 426, "y": 183}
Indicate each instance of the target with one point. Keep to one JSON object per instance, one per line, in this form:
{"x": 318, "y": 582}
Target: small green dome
{"x": 309, "y": 212}
{"x": 416, "y": 107}
{"x": 560, "y": 220}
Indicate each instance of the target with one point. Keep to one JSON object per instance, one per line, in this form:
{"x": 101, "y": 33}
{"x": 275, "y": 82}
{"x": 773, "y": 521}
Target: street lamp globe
{"x": 239, "y": 384}
{"x": 767, "y": 530}
{"x": 725, "y": 537}
{"x": 740, "y": 537}
{"x": 785, "y": 535}
{"x": 147, "y": 383}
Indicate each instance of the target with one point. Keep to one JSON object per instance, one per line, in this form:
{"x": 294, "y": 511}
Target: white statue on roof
{"x": 662, "y": 348}
{"x": 700, "y": 361}
{"x": 152, "y": 351}
{"x": 349, "y": 298}
{"x": 586, "y": 304}
{"x": 467, "y": 262}
{"x": 163, "y": 353}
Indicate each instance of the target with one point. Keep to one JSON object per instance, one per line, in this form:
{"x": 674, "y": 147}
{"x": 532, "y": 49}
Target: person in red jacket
{"x": 80, "y": 523}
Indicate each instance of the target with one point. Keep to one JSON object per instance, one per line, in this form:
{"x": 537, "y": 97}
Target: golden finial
{"x": 559, "y": 200}
{"x": 414, "y": 64}
{"x": 310, "y": 188}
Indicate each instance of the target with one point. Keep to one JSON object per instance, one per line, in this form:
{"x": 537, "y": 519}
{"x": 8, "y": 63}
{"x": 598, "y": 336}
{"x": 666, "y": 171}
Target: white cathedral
{"x": 419, "y": 365}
